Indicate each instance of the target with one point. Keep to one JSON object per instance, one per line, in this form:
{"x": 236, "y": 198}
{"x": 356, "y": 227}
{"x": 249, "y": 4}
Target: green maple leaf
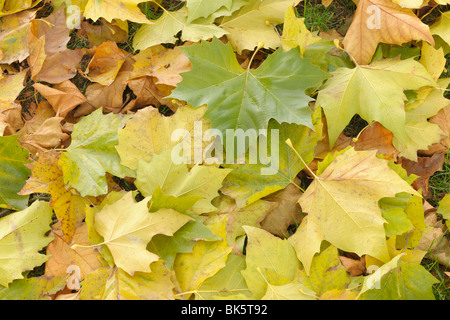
{"x": 248, "y": 99}
{"x": 421, "y": 133}
{"x": 246, "y": 184}
{"x": 393, "y": 211}
{"x": 375, "y": 92}
{"x": 204, "y": 8}
{"x": 444, "y": 207}
{"x": 183, "y": 241}
{"x": 169, "y": 24}
{"x": 176, "y": 180}
{"x": 39, "y": 288}
{"x": 397, "y": 280}
{"x": 13, "y": 173}
{"x": 327, "y": 272}
{"x": 92, "y": 153}
{"x": 22, "y": 235}
{"x": 404, "y": 214}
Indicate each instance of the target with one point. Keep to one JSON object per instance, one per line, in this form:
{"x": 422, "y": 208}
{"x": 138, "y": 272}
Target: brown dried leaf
{"x": 49, "y": 135}
{"x": 378, "y": 21}
{"x": 425, "y": 167}
{"x": 117, "y": 31}
{"x": 376, "y": 137}
{"x": 442, "y": 119}
{"x": 50, "y": 60}
{"x": 63, "y": 97}
{"x": 354, "y": 267}
{"x": 285, "y": 213}
{"x": 106, "y": 63}
{"x": 62, "y": 256}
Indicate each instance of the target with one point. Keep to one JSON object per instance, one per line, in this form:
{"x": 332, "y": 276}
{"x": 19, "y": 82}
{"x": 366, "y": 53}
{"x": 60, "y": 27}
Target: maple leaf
{"x": 49, "y": 135}
{"x": 376, "y": 137}
{"x": 444, "y": 207}
{"x": 13, "y": 173}
{"x": 36, "y": 288}
{"x": 433, "y": 60}
{"x": 442, "y": 120}
{"x": 286, "y": 211}
{"x": 93, "y": 285}
{"x": 137, "y": 227}
{"x": 295, "y": 32}
{"x": 115, "y": 9}
{"x": 92, "y": 153}
{"x": 326, "y": 273}
{"x": 62, "y": 256}
{"x": 424, "y": 168}
{"x": 148, "y": 133}
{"x": 251, "y": 215}
{"x": 156, "y": 285}
{"x": 206, "y": 231}
{"x": 182, "y": 241}
{"x": 168, "y": 25}
{"x": 393, "y": 211}
{"x": 64, "y": 96}
{"x": 379, "y": 88}
{"x": 204, "y": 8}
{"x": 244, "y": 99}
{"x": 276, "y": 265}
{"x": 47, "y": 177}
{"x": 49, "y": 59}
{"x": 254, "y": 22}
{"x": 227, "y": 283}
{"x": 442, "y": 26}
{"x": 421, "y": 133}
{"x": 12, "y": 85}
{"x": 392, "y": 24}
{"x": 105, "y": 64}
{"x": 397, "y": 280}
{"x": 43, "y": 131}
{"x": 175, "y": 180}
{"x": 108, "y": 97}
{"x": 353, "y": 226}
{"x": 162, "y": 63}
{"x": 246, "y": 184}
{"x": 205, "y": 260}
{"x": 30, "y": 226}
{"x": 13, "y": 36}
{"x": 116, "y": 31}
{"x": 13, "y": 6}
{"x": 289, "y": 291}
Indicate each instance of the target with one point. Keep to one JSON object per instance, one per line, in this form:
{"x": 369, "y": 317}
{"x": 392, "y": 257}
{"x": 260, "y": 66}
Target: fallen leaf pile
{"x": 93, "y": 205}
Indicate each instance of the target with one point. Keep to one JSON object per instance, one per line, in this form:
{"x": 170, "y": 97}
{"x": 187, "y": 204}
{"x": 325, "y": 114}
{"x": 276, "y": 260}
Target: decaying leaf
{"x": 384, "y": 21}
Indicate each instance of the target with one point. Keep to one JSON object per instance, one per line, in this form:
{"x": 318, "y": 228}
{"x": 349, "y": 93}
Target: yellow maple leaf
{"x": 47, "y": 177}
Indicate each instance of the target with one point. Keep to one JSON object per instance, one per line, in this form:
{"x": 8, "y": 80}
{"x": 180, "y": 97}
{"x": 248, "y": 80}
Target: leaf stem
{"x": 260, "y": 45}
{"x": 289, "y": 143}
